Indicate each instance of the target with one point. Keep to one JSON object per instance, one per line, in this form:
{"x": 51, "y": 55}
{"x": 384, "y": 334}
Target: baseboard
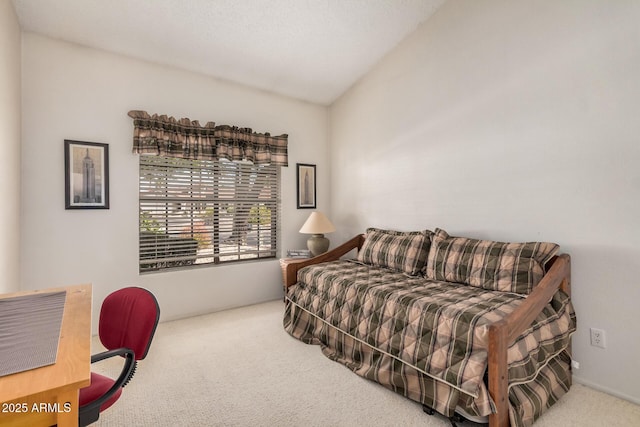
{"x": 605, "y": 389}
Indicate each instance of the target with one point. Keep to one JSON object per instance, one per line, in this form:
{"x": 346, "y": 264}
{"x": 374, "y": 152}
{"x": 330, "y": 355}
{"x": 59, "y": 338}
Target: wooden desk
{"x": 53, "y": 389}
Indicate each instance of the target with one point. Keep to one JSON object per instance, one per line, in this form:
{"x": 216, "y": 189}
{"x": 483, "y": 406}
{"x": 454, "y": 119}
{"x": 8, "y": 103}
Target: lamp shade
{"x": 317, "y": 223}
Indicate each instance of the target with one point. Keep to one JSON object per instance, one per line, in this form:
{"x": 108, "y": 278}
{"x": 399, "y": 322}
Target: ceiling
{"x": 312, "y": 50}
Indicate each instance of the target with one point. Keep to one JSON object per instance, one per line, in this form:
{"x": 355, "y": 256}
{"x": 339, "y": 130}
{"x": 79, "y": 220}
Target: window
{"x": 206, "y": 212}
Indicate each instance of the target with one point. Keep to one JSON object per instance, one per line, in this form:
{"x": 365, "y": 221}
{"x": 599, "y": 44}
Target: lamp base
{"x": 318, "y": 244}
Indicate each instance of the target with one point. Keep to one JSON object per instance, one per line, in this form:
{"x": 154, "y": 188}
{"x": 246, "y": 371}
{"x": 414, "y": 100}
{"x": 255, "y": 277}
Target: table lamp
{"x": 317, "y": 224}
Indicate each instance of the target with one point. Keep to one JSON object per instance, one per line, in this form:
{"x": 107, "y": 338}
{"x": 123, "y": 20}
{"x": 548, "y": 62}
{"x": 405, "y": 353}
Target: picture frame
{"x": 306, "y": 185}
{"x": 86, "y": 176}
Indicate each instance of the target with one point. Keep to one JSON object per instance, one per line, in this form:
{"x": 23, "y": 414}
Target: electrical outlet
{"x": 575, "y": 364}
{"x": 598, "y": 338}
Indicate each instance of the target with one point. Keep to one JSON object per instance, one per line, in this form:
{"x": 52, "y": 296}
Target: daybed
{"x": 467, "y": 326}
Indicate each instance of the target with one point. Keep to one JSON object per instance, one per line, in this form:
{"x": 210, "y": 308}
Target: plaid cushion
{"x": 498, "y": 266}
{"x": 397, "y": 250}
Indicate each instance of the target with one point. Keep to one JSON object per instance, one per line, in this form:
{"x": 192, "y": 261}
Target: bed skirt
{"x": 526, "y": 401}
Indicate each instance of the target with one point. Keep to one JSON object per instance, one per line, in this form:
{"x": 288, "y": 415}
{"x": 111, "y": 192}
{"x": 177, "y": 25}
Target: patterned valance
{"x": 184, "y": 138}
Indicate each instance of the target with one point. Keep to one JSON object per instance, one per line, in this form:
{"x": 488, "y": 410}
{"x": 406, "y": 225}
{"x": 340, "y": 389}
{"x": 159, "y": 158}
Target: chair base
{"x": 88, "y": 416}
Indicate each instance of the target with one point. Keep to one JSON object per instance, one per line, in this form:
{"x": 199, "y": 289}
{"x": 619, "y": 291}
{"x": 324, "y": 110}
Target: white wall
{"x": 511, "y": 121}
{"x": 72, "y": 92}
{"x": 10, "y": 39}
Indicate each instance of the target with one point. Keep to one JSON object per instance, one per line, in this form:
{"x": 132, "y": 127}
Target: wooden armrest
{"x": 504, "y": 332}
{"x": 291, "y": 272}
{"x": 555, "y": 278}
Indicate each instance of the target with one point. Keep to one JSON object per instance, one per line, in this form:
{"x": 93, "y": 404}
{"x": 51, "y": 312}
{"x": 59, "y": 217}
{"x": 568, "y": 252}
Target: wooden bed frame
{"x": 501, "y": 333}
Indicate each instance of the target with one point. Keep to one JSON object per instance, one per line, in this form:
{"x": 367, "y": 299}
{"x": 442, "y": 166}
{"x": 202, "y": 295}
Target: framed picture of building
{"x": 306, "y": 177}
{"x": 86, "y": 178}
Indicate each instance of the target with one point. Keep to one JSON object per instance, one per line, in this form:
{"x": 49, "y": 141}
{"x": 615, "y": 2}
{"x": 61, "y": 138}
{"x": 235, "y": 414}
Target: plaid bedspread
{"x": 437, "y": 329}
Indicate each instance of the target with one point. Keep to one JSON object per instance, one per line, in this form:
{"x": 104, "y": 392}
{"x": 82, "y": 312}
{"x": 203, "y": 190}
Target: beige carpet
{"x": 240, "y": 368}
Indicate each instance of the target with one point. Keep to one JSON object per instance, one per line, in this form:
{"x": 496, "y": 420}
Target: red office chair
{"x": 128, "y": 320}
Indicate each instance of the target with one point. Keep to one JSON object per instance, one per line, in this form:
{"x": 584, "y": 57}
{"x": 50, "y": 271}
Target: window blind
{"x": 206, "y": 212}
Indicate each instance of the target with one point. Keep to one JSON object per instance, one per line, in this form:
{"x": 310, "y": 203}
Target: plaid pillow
{"x": 397, "y": 250}
{"x": 498, "y": 266}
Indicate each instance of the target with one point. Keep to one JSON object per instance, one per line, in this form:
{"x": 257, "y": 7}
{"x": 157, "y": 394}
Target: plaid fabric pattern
{"x": 374, "y": 365}
{"x": 498, "y": 266}
{"x": 528, "y": 401}
{"x": 423, "y": 338}
{"x": 187, "y": 139}
{"x": 401, "y": 251}
{"x": 380, "y": 367}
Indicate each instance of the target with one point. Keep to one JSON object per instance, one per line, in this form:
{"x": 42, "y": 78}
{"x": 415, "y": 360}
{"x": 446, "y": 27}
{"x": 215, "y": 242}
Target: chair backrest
{"x": 128, "y": 318}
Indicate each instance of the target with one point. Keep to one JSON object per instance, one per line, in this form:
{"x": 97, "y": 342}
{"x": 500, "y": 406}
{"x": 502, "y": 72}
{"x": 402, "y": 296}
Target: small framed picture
{"x": 86, "y": 179}
{"x": 306, "y": 176}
